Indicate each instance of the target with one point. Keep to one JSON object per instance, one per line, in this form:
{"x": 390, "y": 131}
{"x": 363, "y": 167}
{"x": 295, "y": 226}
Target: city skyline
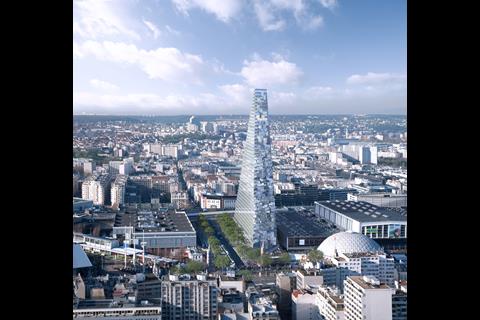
{"x": 189, "y": 57}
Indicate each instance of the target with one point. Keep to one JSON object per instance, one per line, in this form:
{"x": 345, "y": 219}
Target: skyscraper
{"x": 255, "y": 205}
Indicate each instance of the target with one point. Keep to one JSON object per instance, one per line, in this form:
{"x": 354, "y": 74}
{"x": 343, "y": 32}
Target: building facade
{"x": 255, "y": 206}
{"x": 367, "y": 299}
{"x": 186, "y": 298}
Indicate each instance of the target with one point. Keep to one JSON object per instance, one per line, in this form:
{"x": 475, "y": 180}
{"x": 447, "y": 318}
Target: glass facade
{"x": 255, "y": 205}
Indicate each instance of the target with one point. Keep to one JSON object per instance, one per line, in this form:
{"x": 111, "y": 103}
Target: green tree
{"x": 265, "y": 260}
{"x": 212, "y": 241}
{"x": 253, "y": 254}
{"x": 175, "y": 269}
{"x": 315, "y": 256}
{"x": 221, "y": 262}
{"x": 284, "y": 258}
{"x": 246, "y": 274}
{"x": 209, "y": 231}
{"x": 194, "y": 266}
{"x": 242, "y": 250}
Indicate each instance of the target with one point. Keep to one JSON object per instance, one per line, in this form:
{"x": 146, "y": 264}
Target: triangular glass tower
{"x": 255, "y": 205}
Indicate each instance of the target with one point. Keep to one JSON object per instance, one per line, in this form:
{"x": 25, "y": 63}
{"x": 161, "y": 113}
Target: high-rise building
{"x": 285, "y": 283}
{"x": 367, "y": 299}
{"x": 95, "y": 188}
{"x": 186, "y": 298}
{"x": 118, "y": 190}
{"x": 88, "y": 167}
{"x": 330, "y": 304}
{"x": 255, "y": 205}
{"x": 399, "y": 301}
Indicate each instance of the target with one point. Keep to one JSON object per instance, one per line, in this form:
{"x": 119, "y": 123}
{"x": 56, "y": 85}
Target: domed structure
{"x": 348, "y": 242}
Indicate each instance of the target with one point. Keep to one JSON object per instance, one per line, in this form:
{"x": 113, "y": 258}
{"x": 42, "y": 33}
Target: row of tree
{"x": 221, "y": 260}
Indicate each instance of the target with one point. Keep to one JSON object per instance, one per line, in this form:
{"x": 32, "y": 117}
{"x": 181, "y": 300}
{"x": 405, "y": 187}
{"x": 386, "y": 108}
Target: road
{"x": 226, "y": 244}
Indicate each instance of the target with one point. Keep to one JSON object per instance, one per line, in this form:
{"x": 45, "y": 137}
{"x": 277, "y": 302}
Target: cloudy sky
{"x": 170, "y": 57}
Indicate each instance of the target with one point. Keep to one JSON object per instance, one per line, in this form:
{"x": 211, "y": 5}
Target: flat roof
{"x": 293, "y": 224}
{"x": 365, "y": 285}
{"x": 156, "y": 221}
{"x": 364, "y": 211}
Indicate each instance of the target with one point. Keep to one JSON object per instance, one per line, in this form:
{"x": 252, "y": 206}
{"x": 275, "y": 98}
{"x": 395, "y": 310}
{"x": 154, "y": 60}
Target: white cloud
{"x": 237, "y": 93}
{"x": 372, "y": 78}
{"x": 263, "y": 73}
{"x": 295, "y": 5}
{"x": 103, "y": 85}
{"x": 95, "y": 19}
{"x": 330, "y": 4}
{"x": 282, "y": 98}
{"x": 224, "y": 10}
{"x": 168, "y": 64}
{"x": 314, "y": 23}
{"x": 153, "y": 28}
{"x": 148, "y": 103}
{"x": 267, "y": 19}
{"x": 172, "y": 30}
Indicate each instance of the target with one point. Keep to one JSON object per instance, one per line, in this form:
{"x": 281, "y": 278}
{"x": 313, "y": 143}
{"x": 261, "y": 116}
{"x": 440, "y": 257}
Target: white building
{"x": 95, "y": 188}
{"x": 330, "y": 304}
{"x": 359, "y": 254}
{"x": 303, "y": 305}
{"x": 368, "y": 263}
{"x": 363, "y": 217}
{"x": 262, "y": 309}
{"x": 367, "y": 299}
{"x": 171, "y": 151}
{"x": 179, "y": 200}
{"x": 118, "y": 190}
{"x": 306, "y": 279}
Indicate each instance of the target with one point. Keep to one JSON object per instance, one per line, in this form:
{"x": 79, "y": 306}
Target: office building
{"x": 366, "y": 298}
{"x": 255, "y": 206}
{"x": 399, "y": 301}
{"x": 285, "y": 283}
{"x": 96, "y": 188}
{"x": 118, "y": 190}
{"x": 88, "y": 168}
{"x": 165, "y": 232}
{"x": 179, "y": 200}
{"x": 359, "y": 254}
{"x": 330, "y": 304}
{"x": 217, "y": 201}
{"x": 307, "y": 279}
{"x": 381, "y": 199}
{"x": 185, "y": 297}
{"x": 303, "y": 305}
{"x": 387, "y": 226}
{"x": 297, "y": 232}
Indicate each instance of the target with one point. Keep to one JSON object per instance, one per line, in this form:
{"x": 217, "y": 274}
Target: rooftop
{"x": 364, "y": 212}
{"x": 157, "y": 221}
{"x": 292, "y": 223}
{"x": 367, "y": 285}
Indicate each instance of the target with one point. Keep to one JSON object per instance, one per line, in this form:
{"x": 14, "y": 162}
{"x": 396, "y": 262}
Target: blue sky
{"x": 170, "y": 57}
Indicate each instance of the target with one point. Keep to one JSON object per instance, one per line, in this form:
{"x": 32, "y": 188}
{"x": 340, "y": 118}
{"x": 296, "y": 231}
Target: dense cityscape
{"x": 240, "y": 160}
{"x": 321, "y": 216}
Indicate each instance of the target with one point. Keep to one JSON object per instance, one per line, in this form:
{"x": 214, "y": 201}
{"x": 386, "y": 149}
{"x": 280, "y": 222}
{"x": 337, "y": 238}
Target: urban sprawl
{"x": 258, "y": 216}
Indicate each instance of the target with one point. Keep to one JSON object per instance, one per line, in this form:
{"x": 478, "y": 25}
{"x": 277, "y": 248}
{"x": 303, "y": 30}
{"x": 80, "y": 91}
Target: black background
{"x": 37, "y": 148}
